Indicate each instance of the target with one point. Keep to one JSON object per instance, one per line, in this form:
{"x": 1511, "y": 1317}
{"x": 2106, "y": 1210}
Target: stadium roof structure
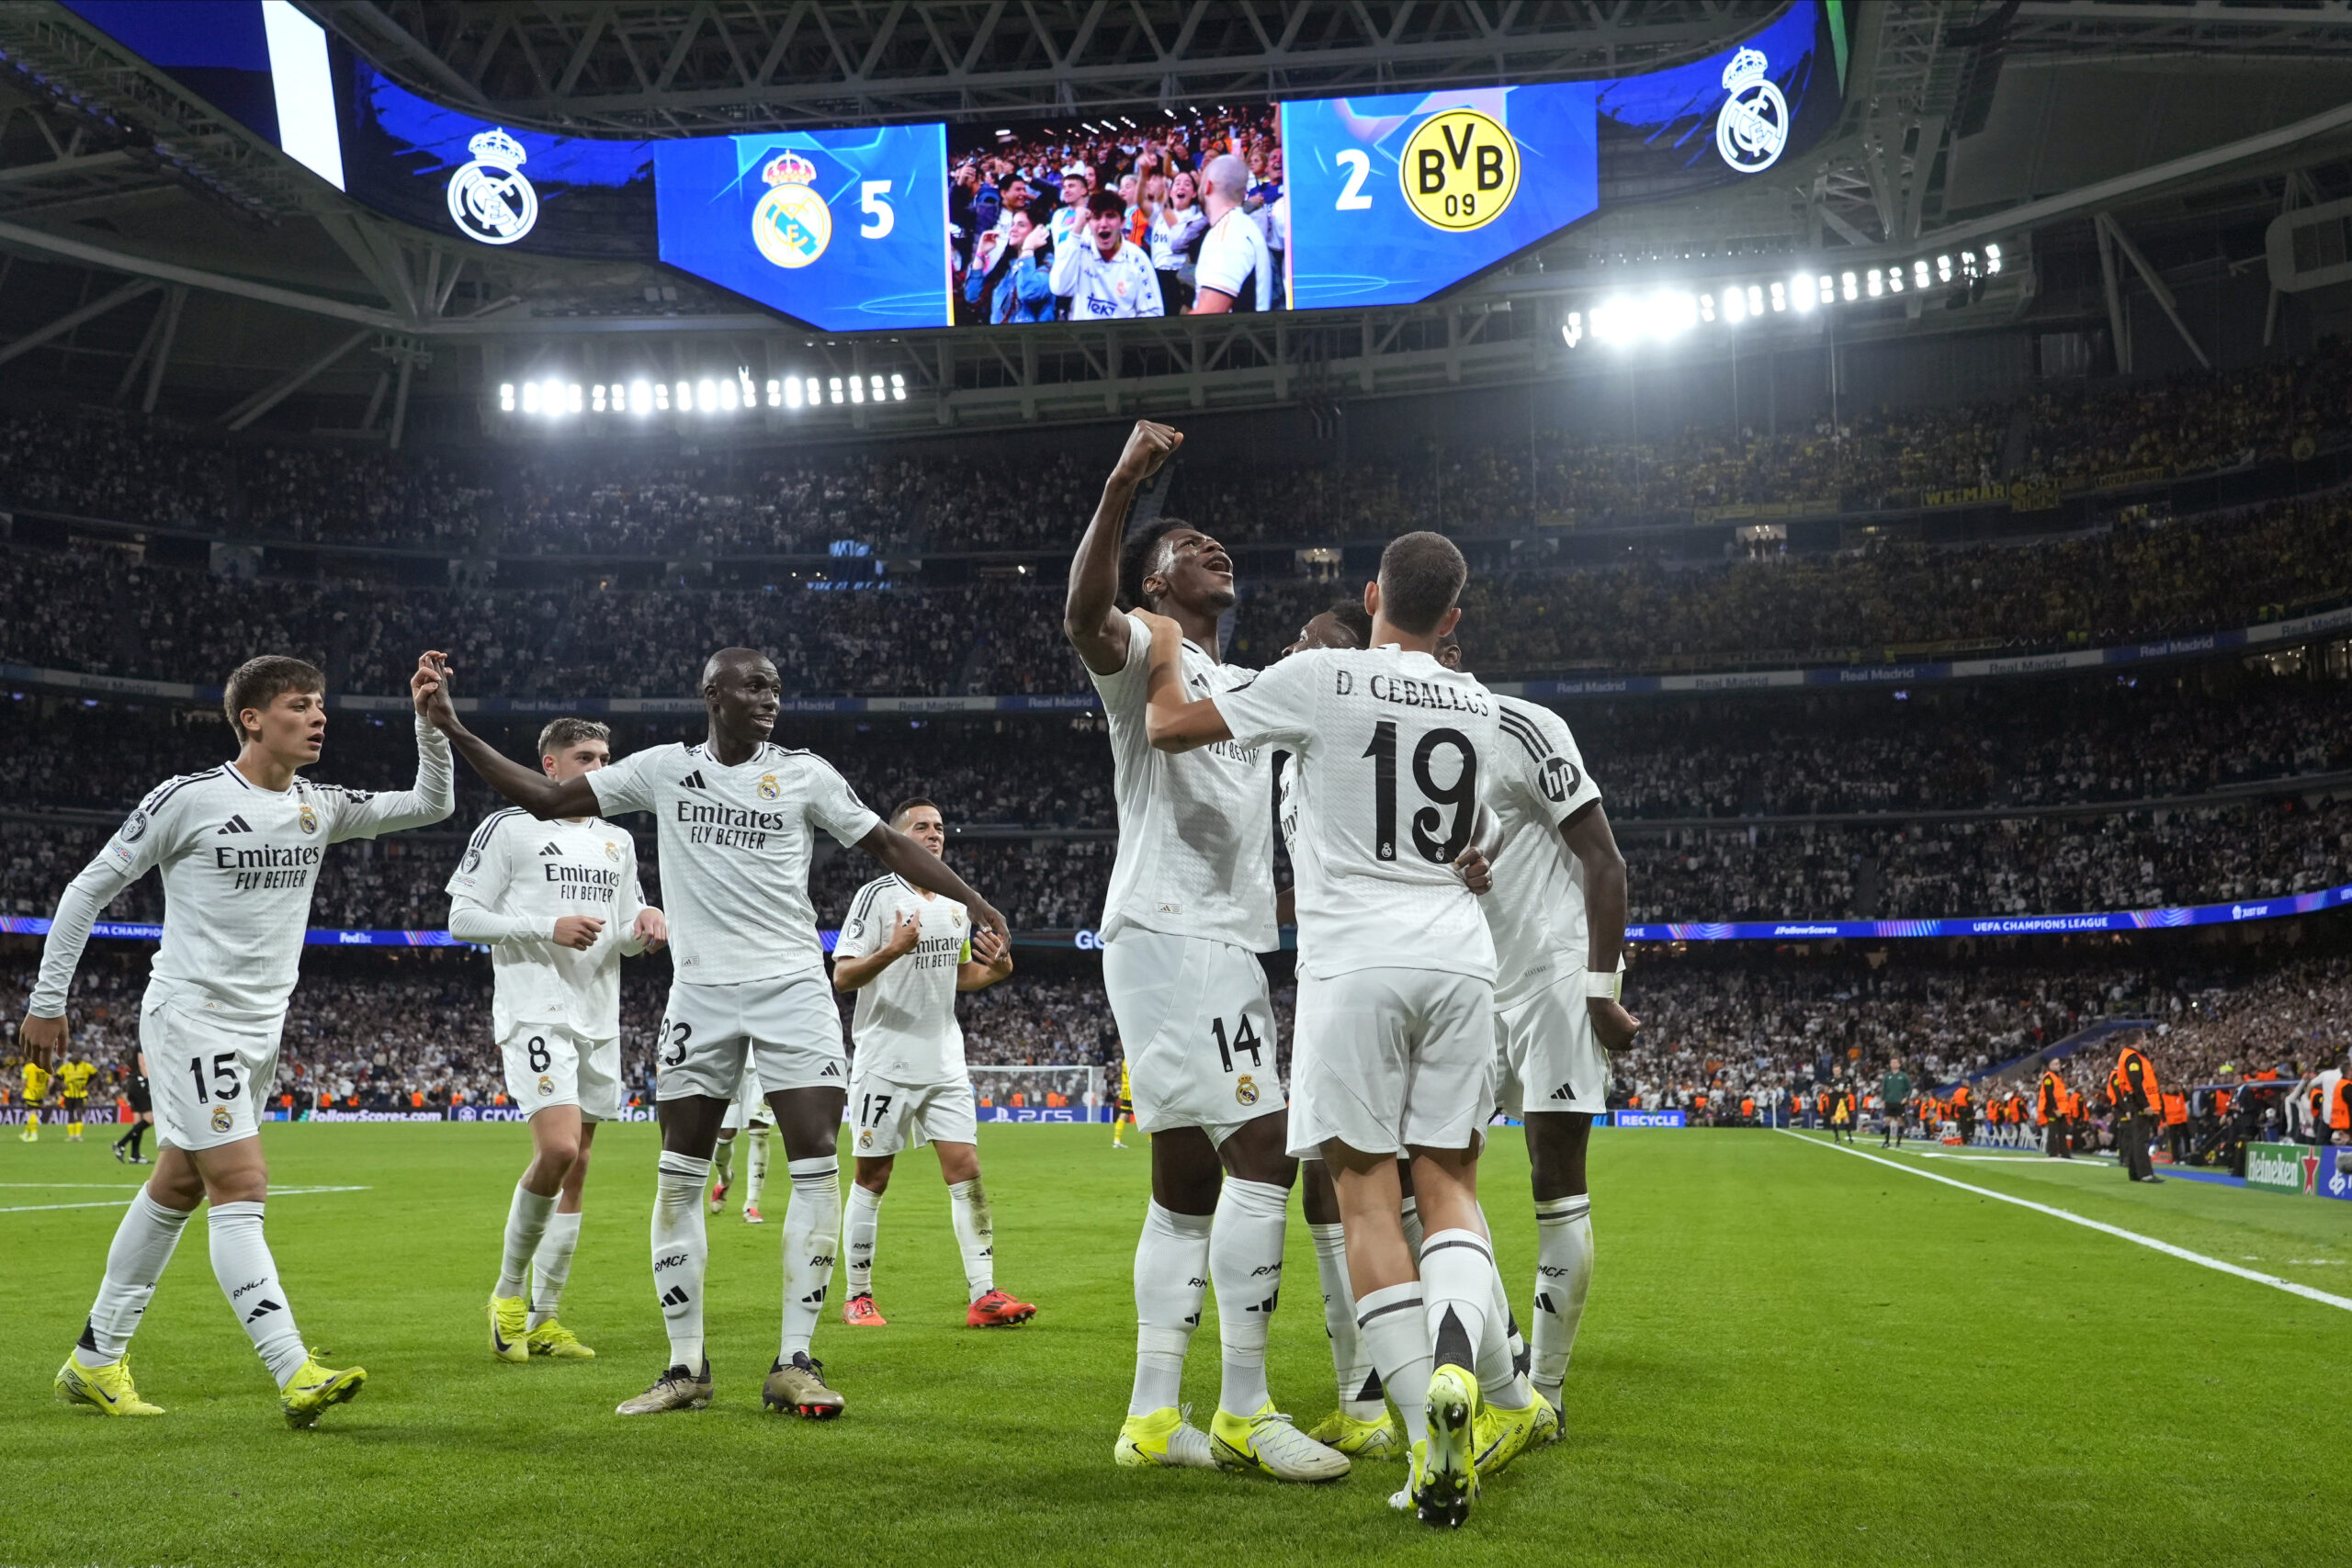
{"x": 154, "y": 251}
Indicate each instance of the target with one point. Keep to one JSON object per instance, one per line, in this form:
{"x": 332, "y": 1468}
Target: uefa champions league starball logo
{"x": 488, "y": 199}
{"x": 792, "y": 225}
{"x": 1754, "y": 125}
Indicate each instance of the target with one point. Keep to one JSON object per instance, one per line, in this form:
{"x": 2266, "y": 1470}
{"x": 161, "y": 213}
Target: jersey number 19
{"x": 1462, "y": 794}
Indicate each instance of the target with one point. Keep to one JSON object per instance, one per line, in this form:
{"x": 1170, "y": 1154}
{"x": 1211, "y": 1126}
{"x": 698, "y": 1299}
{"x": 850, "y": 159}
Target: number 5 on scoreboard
{"x": 874, "y": 200}
{"x": 1352, "y": 198}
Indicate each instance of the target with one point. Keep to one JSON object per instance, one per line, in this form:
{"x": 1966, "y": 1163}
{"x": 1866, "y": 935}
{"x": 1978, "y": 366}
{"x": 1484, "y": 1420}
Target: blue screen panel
{"x": 1395, "y": 198}
{"x": 844, "y": 229}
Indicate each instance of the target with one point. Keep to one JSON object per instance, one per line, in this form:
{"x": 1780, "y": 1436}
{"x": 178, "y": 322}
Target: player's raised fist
{"x": 1149, "y": 445}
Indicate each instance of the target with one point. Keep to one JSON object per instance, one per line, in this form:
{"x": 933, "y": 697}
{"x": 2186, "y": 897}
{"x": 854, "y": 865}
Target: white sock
{"x": 1563, "y": 1276}
{"x": 1171, "y": 1275}
{"x": 142, "y": 1245}
{"x": 722, "y": 1160}
{"x": 680, "y": 1252}
{"x": 551, "y": 1265}
{"x": 248, "y": 1277}
{"x": 526, "y": 1222}
{"x": 1245, "y": 1266}
{"x": 1359, "y": 1384}
{"x": 1457, "y": 1298}
{"x": 1410, "y": 1214}
{"x": 1501, "y": 1351}
{"x": 858, "y": 1226}
{"x": 755, "y": 1161}
{"x": 968, "y": 1206}
{"x": 812, "y": 1235}
{"x": 1393, "y": 1324}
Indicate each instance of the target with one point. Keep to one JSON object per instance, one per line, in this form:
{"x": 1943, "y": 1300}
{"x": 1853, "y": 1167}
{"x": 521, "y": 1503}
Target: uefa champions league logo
{"x": 1754, "y": 124}
{"x": 488, "y": 199}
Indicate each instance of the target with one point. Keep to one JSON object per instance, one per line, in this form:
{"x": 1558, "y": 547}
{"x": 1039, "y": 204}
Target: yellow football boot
{"x": 314, "y": 1388}
{"x": 1164, "y": 1438}
{"x": 510, "y": 1334}
{"x": 552, "y": 1338}
{"x": 107, "y": 1389}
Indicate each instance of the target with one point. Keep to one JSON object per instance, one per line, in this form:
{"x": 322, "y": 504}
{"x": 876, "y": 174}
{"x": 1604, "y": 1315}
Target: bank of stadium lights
{"x": 1667, "y": 313}
{"x": 556, "y": 399}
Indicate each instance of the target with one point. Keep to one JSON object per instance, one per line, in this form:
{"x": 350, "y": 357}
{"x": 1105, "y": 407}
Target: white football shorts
{"x": 1197, "y": 1025}
{"x": 891, "y": 1118}
{"x": 548, "y": 1063}
{"x": 206, "y": 1073}
{"x": 787, "y": 1028}
{"x": 1546, "y": 1056}
{"x": 1390, "y": 1058}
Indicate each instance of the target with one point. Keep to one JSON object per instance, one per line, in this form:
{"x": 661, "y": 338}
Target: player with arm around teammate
{"x": 906, "y": 952}
{"x": 239, "y": 848}
{"x": 736, "y": 816}
{"x": 1394, "y": 1042}
{"x": 558, "y": 904}
{"x": 1190, "y": 907}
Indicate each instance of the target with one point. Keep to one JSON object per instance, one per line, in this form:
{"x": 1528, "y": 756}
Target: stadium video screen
{"x": 1306, "y": 204}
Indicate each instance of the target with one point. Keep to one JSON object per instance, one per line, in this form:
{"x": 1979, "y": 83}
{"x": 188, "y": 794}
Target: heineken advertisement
{"x": 2281, "y": 1168}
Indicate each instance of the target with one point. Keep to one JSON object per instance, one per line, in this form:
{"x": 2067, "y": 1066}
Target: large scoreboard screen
{"x": 1305, "y": 203}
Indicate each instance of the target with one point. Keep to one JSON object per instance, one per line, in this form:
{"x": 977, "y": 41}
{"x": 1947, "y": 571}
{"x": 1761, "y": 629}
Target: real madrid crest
{"x": 488, "y": 199}
{"x": 308, "y": 817}
{"x": 222, "y": 1120}
{"x": 611, "y": 852}
{"x": 1754, "y": 124}
{"x": 792, "y": 226}
{"x": 769, "y": 788}
{"x": 1245, "y": 1090}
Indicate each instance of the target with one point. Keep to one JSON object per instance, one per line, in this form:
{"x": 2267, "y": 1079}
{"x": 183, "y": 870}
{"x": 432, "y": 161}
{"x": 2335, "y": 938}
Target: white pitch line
{"x": 2275, "y": 1283}
{"x": 124, "y": 1203}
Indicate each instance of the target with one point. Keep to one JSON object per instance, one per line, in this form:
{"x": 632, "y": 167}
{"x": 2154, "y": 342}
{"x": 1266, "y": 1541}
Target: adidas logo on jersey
{"x": 693, "y": 781}
{"x": 1565, "y": 1091}
{"x": 552, "y": 849}
{"x": 832, "y": 1070}
{"x": 235, "y": 824}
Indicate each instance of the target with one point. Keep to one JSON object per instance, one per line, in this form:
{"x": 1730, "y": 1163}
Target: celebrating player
{"x": 906, "y": 955}
{"x": 737, "y": 817}
{"x": 1396, "y": 1037}
{"x": 1190, "y": 908}
{"x": 1557, "y": 916}
{"x": 558, "y": 906}
{"x": 239, "y": 846}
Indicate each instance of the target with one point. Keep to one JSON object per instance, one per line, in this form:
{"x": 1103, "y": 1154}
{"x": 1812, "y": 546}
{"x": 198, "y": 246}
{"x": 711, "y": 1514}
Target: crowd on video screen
{"x": 1156, "y": 215}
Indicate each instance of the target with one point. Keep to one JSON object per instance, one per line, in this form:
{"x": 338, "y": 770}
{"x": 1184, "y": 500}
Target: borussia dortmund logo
{"x": 1459, "y": 171}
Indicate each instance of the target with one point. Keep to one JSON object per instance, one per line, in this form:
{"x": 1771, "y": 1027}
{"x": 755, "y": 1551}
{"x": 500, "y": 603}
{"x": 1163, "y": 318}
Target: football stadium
{"x": 1537, "y": 757}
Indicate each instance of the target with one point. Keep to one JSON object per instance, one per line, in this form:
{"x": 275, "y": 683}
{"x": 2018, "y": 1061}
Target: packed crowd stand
{"x": 637, "y": 501}
{"x": 102, "y": 612}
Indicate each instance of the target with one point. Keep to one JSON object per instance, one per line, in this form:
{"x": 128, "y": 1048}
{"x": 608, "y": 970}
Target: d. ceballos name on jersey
{"x": 730, "y": 826}
{"x": 267, "y": 865}
{"x": 1405, "y": 691}
{"x": 582, "y": 884}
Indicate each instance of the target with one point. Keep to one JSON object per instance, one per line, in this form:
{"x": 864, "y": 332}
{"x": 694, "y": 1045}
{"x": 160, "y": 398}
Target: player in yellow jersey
{"x": 36, "y": 1088}
{"x": 74, "y": 1095}
{"x": 1123, "y": 1110}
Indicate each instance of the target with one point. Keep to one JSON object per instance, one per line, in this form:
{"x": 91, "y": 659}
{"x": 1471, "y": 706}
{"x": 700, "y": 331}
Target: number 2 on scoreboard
{"x": 1352, "y": 198}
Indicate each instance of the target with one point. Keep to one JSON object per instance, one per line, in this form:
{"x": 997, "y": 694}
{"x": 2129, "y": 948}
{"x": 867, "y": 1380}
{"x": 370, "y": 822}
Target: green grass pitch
{"x": 1792, "y": 1356}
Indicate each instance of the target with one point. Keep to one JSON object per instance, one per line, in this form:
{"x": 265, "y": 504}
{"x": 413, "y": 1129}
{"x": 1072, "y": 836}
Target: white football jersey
{"x": 1196, "y": 842}
{"x": 1388, "y": 750}
{"x": 517, "y": 878}
{"x": 904, "y": 1028}
{"x": 1535, "y": 909}
{"x": 239, "y": 865}
{"x": 1234, "y": 262}
{"x": 735, "y": 847}
{"x": 1100, "y": 290}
